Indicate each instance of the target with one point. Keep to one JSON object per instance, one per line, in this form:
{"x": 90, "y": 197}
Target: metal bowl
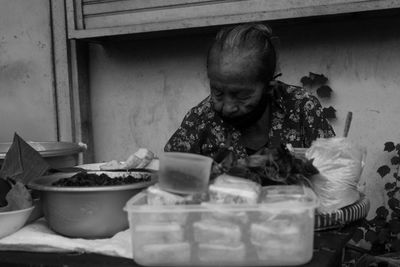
{"x": 85, "y": 212}
{"x": 57, "y": 154}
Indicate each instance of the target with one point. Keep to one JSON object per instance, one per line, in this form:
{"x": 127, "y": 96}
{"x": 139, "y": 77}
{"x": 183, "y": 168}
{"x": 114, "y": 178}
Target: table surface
{"x": 328, "y": 247}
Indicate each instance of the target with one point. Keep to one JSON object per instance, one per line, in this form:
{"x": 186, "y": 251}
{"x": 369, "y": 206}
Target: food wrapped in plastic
{"x": 140, "y": 159}
{"x": 219, "y": 212}
{"x": 170, "y": 214}
{"x": 340, "y": 163}
{"x": 144, "y": 234}
{"x": 217, "y": 253}
{"x": 157, "y": 196}
{"x": 228, "y": 189}
{"x": 217, "y": 232}
{"x": 159, "y": 254}
{"x": 276, "y": 238}
{"x": 279, "y": 230}
{"x": 276, "y": 253}
{"x": 284, "y": 193}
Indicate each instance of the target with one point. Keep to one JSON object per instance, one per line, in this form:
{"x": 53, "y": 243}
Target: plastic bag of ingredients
{"x": 340, "y": 163}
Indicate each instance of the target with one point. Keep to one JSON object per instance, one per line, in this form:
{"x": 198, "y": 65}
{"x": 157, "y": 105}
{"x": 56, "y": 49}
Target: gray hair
{"x": 250, "y": 37}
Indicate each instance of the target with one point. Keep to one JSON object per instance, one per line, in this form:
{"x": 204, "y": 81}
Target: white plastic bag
{"x": 340, "y": 163}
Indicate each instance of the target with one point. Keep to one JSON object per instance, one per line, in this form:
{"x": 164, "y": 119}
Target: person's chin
{"x": 238, "y": 122}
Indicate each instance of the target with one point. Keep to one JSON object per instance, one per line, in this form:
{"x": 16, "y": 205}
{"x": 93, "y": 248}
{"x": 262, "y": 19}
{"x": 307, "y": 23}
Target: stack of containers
{"x": 240, "y": 224}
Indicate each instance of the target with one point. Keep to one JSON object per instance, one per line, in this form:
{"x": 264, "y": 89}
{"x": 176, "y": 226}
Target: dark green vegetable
{"x": 93, "y": 179}
{"x": 268, "y": 166}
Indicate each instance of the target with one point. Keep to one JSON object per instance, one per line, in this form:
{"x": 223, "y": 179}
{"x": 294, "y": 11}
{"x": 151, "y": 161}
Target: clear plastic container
{"x": 184, "y": 173}
{"x": 279, "y": 231}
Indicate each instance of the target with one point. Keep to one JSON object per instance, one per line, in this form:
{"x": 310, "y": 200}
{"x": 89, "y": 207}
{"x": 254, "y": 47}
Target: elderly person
{"x": 248, "y": 110}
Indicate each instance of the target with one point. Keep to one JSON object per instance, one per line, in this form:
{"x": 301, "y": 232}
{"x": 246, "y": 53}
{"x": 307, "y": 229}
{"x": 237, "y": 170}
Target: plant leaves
{"x": 394, "y": 203}
{"x": 383, "y": 235}
{"x": 329, "y": 113}
{"x": 395, "y": 160}
{"x": 395, "y": 245}
{"x": 395, "y": 215}
{"x": 382, "y": 212}
{"x": 358, "y": 235}
{"x": 398, "y": 147}
{"x": 371, "y": 236}
{"x": 383, "y": 170}
{"x": 380, "y": 223}
{"x": 318, "y": 78}
{"x": 389, "y": 186}
{"x": 306, "y": 81}
{"x": 324, "y": 91}
{"x": 394, "y": 226}
{"x": 389, "y": 147}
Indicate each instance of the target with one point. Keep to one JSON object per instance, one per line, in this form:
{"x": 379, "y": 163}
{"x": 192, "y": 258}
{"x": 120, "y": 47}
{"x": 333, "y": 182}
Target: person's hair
{"x": 250, "y": 37}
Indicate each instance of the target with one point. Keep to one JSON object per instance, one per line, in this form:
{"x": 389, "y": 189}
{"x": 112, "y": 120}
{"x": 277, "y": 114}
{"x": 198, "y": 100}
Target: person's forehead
{"x": 233, "y": 67}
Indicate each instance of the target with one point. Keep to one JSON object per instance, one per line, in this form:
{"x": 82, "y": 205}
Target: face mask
{"x": 248, "y": 119}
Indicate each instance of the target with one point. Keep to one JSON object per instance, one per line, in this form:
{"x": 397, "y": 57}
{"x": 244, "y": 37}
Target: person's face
{"x": 237, "y": 95}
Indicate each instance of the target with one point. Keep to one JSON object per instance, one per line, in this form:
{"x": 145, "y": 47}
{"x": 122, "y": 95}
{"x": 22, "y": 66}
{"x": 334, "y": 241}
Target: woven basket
{"x": 343, "y": 216}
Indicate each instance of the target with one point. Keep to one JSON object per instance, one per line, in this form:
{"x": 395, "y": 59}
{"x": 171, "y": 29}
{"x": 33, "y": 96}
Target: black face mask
{"x": 248, "y": 119}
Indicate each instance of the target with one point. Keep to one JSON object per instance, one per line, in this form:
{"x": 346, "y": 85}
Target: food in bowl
{"x": 16, "y": 207}
{"x": 101, "y": 179}
{"x": 87, "y": 211}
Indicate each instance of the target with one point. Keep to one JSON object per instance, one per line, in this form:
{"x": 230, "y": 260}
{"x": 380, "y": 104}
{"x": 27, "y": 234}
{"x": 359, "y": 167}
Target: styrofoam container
{"x": 277, "y": 231}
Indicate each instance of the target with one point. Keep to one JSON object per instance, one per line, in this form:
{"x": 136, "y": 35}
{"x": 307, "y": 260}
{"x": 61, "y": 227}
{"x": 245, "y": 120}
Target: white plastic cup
{"x": 184, "y": 173}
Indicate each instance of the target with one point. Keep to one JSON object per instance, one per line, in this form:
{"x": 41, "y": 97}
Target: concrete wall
{"x": 26, "y": 89}
{"x": 141, "y": 89}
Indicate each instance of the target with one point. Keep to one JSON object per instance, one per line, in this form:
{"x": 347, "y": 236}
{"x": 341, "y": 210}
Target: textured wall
{"x": 362, "y": 61}
{"x": 26, "y": 94}
{"x": 142, "y": 89}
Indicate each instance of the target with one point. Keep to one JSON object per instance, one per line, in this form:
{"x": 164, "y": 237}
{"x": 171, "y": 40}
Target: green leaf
{"x": 380, "y": 223}
{"x": 382, "y": 212}
{"x": 398, "y": 147}
{"x": 306, "y": 81}
{"x": 389, "y": 186}
{"x": 383, "y": 170}
{"x": 394, "y": 226}
{"x": 358, "y": 235}
{"x": 395, "y": 160}
{"x": 318, "y": 78}
{"x": 395, "y": 215}
{"x": 371, "y": 236}
{"x": 394, "y": 203}
{"x": 324, "y": 91}
{"x": 329, "y": 113}
{"x": 389, "y": 147}
{"x": 395, "y": 245}
{"x": 383, "y": 236}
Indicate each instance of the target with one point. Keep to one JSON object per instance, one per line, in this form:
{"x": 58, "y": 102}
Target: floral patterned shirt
{"x": 296, "y": 118}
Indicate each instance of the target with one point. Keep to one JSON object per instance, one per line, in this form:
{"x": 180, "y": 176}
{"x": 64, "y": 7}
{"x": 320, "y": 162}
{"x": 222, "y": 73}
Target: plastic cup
{"x": 184, "y": 173}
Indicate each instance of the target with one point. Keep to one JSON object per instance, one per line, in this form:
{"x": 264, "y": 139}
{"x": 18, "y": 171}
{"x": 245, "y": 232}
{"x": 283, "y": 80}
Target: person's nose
{"x": 229, "y": 108}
